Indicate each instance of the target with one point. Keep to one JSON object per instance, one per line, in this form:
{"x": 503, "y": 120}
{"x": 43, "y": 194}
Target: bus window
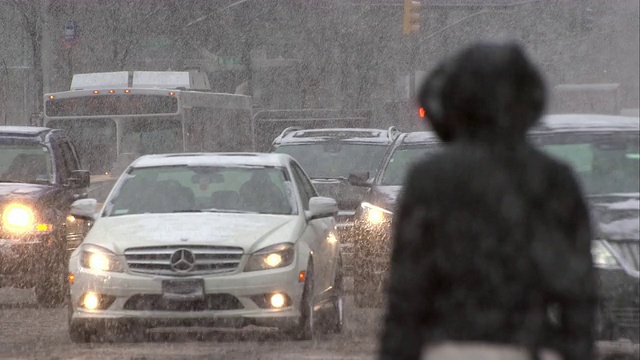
{"x": 155, "y": 135}
{"x": 212, "y": 129}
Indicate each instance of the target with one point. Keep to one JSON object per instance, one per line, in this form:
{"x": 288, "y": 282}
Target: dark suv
{"x": 604, "y": 152}
{"x": 371, "y": 230}
{"x": 40, "y": 177}
{"x": 328, "y": 156}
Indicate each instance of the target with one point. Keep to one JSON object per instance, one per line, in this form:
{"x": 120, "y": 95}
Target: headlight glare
{"x": 375, "y": 215}
{"x": 18, "y": 218}
{"x": 602, "y": 256}
{"x": 99, "y": 259}
{"x": 271, "y": 257}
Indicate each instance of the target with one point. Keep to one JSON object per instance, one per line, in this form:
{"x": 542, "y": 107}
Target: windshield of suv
{"x": 400, "y": 162}
{"x": 605, "y": 163}
{"x": 25, "y": 163}
{"x": 336, "y": 160}
{"x": 170, "y": 189}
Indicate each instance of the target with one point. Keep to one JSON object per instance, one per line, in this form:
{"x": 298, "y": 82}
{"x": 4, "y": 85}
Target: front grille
{"x": 159, "y": 303}
{"x": 629, "y": 251}
{"x": 626, "y": 316}
{"x": 207, "y": 260}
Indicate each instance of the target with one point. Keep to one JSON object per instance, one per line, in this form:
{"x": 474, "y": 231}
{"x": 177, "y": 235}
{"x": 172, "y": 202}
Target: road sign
{"x": 70, "y": 34}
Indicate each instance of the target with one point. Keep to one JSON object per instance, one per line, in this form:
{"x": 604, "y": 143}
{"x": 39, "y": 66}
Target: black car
{"x": 371, "y": 230}
{"x": 40, "y": 176}
{"x": 604, "y": 151}
{"x": 328, "y": 156}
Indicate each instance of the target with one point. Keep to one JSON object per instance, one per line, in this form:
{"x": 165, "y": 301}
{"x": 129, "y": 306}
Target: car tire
{"x": 365, "y": 294}
{"x": 51, "y": 285}
{"x": 335, "y": 320}
{"x": 80, "y": 333}
{"x": 306, "y": 329}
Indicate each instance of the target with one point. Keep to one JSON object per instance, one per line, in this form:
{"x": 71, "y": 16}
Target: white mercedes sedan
{"x": 222, "y": 240}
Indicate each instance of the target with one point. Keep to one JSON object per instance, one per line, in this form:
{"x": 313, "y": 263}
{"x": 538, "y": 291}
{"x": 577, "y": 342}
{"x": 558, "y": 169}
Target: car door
{"x": 324, "y": 249}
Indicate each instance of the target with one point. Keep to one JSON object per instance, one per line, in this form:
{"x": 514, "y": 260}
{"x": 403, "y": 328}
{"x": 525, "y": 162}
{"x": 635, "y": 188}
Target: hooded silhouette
{"x": 491, "y": 239}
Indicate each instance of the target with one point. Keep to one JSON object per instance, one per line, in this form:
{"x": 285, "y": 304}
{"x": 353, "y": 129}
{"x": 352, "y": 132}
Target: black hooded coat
{"x": 491, "y": 236}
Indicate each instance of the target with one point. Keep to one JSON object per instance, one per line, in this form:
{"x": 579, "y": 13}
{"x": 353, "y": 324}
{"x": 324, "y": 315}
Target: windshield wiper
{"x": 186, "y": 211}
{"x": 342, "y": 178}
{"x": 228, "y": 211}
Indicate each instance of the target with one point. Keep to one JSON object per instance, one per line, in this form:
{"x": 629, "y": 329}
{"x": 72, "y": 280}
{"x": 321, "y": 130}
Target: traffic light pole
{"x": 413, "y": 87}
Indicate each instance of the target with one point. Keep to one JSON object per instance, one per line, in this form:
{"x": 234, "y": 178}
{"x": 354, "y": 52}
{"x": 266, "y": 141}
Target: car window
{"x": 334, "y": 160}
{"x": 185, "y": 188}
{"x": 604, "y": 164}
{"x": 400, "y": 162}
{"x": 29, "y": 163}
{"x": 307, "y": 191}
{"x": 68, "y": 160}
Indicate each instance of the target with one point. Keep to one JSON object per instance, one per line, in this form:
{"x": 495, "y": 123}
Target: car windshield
{"x": 26, "y": 163}
{"x": 400, "y": 162}
{"x": 336, "y": 160}
{"x": 605, "y": 163}
{"x": 171, "y": 189}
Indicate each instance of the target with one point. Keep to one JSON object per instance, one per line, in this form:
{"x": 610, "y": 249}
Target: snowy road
{"x": 28, "y": 332}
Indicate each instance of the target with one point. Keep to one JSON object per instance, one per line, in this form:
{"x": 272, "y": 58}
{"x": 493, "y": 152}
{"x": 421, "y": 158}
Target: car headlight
{"x": 602, "y": 256}
{"x": 20, "y": 218}
{"x": 375, "y": 215}
{"x": 271, "y": 257}
{"x": 99, "y": 259}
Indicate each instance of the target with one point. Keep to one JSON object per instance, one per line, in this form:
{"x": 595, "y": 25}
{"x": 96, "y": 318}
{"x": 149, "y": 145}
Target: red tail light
{"x": 421, "y": 112}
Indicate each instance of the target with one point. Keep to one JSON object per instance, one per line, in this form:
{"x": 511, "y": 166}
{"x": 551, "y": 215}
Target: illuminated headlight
{"x": 602, "y": 256}
{"x": 99, "y": 259}
{"x": 20, "y": 218}
{"x": 271, "y": 257}
{"x": 374, "y": 214}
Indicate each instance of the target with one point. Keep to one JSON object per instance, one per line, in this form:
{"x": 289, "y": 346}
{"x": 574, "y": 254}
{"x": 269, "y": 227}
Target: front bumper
{"x": 21, "y": 258}
{"x": 620, "y": 304}
{"x": 234, "y": 299}
{"x": 372, "y": 250}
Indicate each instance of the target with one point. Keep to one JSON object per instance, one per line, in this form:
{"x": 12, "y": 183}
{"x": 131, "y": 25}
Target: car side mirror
{"x": 359, "y": 179}
{"x": 84, "y": 209}
{"x": 321, "y": 207}
{"x": 80, "y": 179}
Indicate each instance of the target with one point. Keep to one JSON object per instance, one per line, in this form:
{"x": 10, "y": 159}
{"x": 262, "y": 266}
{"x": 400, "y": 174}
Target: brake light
{"x": 421, "y": 112}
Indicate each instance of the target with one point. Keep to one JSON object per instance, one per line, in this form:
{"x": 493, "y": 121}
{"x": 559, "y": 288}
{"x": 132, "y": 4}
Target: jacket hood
{"x": 489, "y": 92}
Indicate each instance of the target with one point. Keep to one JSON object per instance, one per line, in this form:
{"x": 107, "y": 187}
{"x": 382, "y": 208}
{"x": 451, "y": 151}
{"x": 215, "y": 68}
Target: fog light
{"x": 91, "y": 301}
{"x": 277, "y": 300}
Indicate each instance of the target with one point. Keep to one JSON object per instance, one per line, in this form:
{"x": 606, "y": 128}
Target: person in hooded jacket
{"x": 491, "y": 240}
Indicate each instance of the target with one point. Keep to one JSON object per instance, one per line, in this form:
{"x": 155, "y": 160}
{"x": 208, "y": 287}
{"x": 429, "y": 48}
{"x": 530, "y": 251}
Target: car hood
{"x": 249, "y": 231}
{"x": 23, "y": 191}
{"x": 386, "y": 196}
{"x": 347, "y": 196}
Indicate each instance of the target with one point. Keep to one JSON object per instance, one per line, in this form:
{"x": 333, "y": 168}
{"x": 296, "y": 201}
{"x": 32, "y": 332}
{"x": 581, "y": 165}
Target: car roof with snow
{"x": 23, "y": 130}
{"x": 296, "y": 136}
{"x": 587, "y": 122}
{"x": 213, "y": 159}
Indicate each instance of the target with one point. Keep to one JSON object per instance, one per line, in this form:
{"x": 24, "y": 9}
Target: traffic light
{"x": 411, "y": 17}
